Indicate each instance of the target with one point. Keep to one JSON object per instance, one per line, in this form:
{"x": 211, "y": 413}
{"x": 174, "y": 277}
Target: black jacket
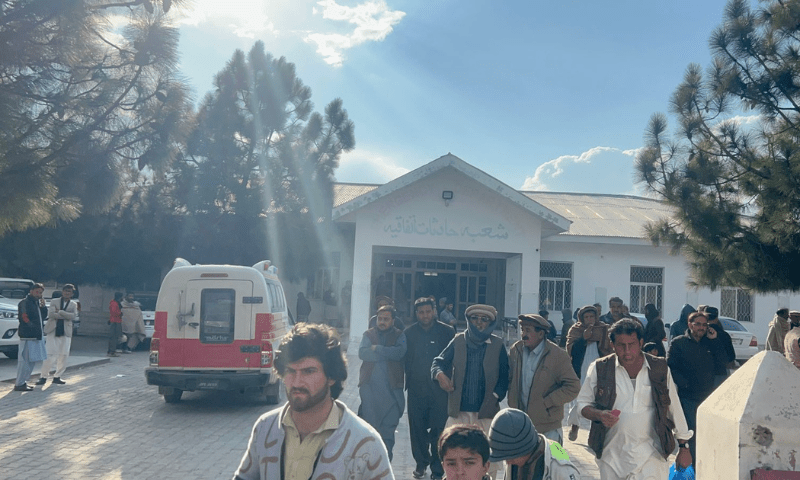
{"x": 728, "y": 353}
{"x": 30, "y": 323}
{"x": 423, "y": 347}
{"x": 692, "y": 365}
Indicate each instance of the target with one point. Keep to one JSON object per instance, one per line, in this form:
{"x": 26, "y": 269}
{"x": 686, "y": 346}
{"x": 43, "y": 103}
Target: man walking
{"x": 380, "y": 382}
{"x": 791, "y": 344}
{"x": 31, "y": 314}
{"x": 313, "y": 436}
{"x": 727, "y": 355}
{"x": 691, "y": 358}
{"x": 59, "y": 334}
{"x": 636, "y": 415}
{"x": 542, "y": 378}
{"x": 615, "y": 311}
{"x": 427, "y": 403}
{"x": 303, "y": 308}
{"x": 473, "y": 370}
{"x": 778, "y": 328}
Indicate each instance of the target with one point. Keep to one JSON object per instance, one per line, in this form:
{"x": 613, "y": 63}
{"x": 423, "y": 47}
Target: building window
{"x": 647, "y": 286}
{"x": 555, "y": 286}
{"x": 325, "y": 280}
{"x": 736, "y": 303}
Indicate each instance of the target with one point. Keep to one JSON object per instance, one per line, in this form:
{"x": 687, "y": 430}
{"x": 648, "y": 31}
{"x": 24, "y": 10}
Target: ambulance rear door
{"x": 219, "y": 336}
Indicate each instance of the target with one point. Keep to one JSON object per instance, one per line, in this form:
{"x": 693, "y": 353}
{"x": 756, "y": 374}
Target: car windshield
{"x": 730, "y": 324}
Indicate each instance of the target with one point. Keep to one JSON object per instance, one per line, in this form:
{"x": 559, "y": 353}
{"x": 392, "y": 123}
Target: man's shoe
{"x": 112, "y": 354}
{"x": 41, "y": 381}
{"x": 127, "y": 350}
{"x": 435, "y": 477}
{"x": 419, "y": 473}
{"x": 58, "y": 381}
{"x": 23, "y": 388}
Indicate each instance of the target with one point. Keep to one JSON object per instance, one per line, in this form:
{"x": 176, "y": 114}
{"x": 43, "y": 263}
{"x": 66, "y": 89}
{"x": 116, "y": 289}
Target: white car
{"x": 745, "y": 344}
{"x": 9, "y": 338}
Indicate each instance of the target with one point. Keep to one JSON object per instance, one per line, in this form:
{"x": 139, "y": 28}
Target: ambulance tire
{"x": 272, "y": 393}
{"x": 173, "y": 396}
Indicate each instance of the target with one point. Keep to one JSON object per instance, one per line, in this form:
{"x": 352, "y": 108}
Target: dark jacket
{"x": 654, "y": 332}
{"x": 423, "y": 347}
{"x": 727, "y": 355}
{"x": 30, "y": 321}
{"x": 679, "y": 327}
{"x": 692, "y": 365}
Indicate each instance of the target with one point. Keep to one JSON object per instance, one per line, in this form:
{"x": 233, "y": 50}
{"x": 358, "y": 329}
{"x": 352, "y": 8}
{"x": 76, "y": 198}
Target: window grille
{"x": 647, "y": 286}
{"x": 555, "y": 285}
{"x": 736, "y": 303}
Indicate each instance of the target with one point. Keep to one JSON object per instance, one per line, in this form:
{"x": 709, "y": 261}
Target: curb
{"x": 91, "y": 363}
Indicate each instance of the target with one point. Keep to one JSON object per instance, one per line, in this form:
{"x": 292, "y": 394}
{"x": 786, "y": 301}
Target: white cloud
{"x": 363, "y": 166}
{"x": 373, "y": 21}
{"x": 245, "y": 18}
{"x": 554, "y": 168}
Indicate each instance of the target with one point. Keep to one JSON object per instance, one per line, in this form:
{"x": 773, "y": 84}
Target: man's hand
{"x": 608, "y": 419}
{"x": 444, "y": 382}
{"x": 684, "y": 458}
{"x": 587, "y": 334}
{"x": 711, "y": 333}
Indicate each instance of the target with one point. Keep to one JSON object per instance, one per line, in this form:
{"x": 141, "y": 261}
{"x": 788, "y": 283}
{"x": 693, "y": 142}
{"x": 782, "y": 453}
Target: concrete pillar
{"x": 362, "y": 295}
{"x": 529, "y": 286}
{"x": 751, "y": 421}
{"x": 513, "y": 274}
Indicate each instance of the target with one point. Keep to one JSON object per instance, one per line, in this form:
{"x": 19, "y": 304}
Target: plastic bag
{"x": 685, "y": 474}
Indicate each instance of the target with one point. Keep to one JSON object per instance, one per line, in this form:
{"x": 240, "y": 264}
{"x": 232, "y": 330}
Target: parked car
{"x": 745, "y": 344}
{"x": 148, "y": 304}
{"x": 9, "y": 339}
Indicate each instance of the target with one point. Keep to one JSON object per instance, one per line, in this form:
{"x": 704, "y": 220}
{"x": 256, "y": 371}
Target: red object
{"x": 615, "y": 413}
{"x": 753, "y": 342}
{"x": 761, "y": 474}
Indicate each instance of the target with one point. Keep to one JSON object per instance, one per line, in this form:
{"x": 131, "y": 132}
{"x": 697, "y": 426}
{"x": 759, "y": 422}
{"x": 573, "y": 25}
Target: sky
{"x": 541, "y": 95}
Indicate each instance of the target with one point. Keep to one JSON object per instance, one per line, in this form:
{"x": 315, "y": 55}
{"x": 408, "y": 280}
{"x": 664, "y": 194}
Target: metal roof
{"x": 591, "y": 214}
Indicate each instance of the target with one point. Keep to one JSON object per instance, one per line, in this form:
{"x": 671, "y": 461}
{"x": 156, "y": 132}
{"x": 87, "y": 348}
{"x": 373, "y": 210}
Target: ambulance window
{"x": 217, "y": 307}
{"x": 281, "y": 297}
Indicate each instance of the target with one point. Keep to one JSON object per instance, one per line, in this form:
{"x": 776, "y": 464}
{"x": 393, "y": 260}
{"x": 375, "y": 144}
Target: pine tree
{"x": 732, "y": 169}
{"x": 84, "y": 105}
{"x": 257, "y": 178}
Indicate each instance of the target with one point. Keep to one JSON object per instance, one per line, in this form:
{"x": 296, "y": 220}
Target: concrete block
{"x": 751, "y": 421}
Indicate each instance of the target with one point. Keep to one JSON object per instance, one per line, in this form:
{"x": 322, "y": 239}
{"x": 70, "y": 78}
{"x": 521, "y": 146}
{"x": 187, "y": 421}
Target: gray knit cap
{"x": 511, "y": 435}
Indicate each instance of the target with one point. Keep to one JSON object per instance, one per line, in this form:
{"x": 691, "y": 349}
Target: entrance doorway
{"x": 464, "y": 281}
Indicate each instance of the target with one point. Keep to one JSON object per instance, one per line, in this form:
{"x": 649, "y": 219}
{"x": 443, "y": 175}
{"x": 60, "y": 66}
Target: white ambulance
{"x": 217, "y": 327}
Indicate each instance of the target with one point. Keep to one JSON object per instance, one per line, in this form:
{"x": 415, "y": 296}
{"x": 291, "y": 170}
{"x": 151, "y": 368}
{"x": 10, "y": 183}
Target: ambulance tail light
{"x": 266, "y": 355}
{"x": 154, "y": 344}
{"x": 754, "y": 342}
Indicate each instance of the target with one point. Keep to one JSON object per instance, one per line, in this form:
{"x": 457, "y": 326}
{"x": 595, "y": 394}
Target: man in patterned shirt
{"x": 314, "y": 435}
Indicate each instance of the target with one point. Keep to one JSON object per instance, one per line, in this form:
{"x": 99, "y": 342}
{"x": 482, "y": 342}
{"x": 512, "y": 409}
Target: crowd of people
{"x": 45, "y": 332}
{"x": 640, "y": 397}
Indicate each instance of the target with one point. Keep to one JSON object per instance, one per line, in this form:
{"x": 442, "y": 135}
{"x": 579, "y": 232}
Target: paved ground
{"x": 107, "y": 423}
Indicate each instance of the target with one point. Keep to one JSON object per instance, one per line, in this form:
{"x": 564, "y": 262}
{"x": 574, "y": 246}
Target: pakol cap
{"x": 479, "y": 309}
{"x": 586, "y": 309}
{"x": 538, "y": 321}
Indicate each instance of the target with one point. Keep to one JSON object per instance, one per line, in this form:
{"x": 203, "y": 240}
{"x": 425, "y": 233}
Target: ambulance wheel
{"x": 173, "y": 396}
{"x": 272, "y": 393}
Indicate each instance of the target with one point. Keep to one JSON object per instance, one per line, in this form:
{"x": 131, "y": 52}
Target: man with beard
{"x": 691, "y": 358}
{"x": 58, "y": 329}
{"x": 32, "y": 312}
{"x": 616, "y": 308}
{"x": 314, "y": 435}
{"x": 636, "y": 415}
{"x": 380, "y": 382}
{"x": 791, "y": 344}
{"x": 727, "y": 355}
{"x": 427, "y": 403}
{"x": 473, "y": 369}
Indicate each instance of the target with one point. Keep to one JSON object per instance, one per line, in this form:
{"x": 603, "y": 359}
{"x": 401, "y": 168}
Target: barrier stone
{"x": 751, "y": 421}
